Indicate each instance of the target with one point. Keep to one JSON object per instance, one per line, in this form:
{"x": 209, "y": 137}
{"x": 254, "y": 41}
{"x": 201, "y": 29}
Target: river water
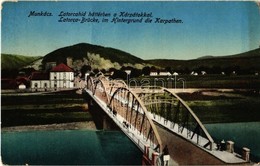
{"x": 88, "y": 147}
{"x": 69, "y": 147}
{"x": 245, "y": 134}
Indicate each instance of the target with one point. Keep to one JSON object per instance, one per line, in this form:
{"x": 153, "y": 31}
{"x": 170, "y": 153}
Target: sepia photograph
{"x": 160, "y": 83}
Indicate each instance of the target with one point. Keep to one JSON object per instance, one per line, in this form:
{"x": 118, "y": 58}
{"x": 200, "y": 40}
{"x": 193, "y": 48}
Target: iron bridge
{"x": 138, "y": 112}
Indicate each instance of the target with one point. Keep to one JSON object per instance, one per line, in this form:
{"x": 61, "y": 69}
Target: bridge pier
{"x": 149, "y": 158}
{"x": 100, "y": 118}
{"x": 145, "y": 159}
{"x": 108, "y": 124}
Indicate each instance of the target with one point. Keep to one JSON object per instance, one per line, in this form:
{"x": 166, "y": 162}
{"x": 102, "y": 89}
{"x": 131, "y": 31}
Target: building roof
{"x": 61, "y": 68}
{"x": 39, "y": 76}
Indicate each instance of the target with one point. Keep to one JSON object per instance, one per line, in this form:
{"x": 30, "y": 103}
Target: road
{"x": 184, "y": 152}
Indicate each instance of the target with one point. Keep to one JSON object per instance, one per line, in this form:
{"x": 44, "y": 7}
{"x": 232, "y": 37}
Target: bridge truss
{"x": 125, "y": 106}
{"x": 169, "y": 110}
{"x": 139, "y": 110}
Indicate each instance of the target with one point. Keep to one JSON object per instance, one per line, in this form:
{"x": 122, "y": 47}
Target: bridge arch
{"x": 89, "y": 83}
{"x": 128, "y": 105}
{"x": 100, "y": 88}
{"x": 167, "y": 108}
{"x": 122, "y": 101}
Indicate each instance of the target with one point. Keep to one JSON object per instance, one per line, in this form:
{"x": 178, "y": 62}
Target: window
{"x": 45, "y": 86}
{"x": 36, "y": 86}
{"x": 55, "y": 76}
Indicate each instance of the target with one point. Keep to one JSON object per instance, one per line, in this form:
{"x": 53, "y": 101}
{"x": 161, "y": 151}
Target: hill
{"x": 248, "y": 54}
{"x": 244, "y": 61}
{"x": 81, "y": 54}
{"x": 9, "y": 61}
{"x": 100, "y": 57}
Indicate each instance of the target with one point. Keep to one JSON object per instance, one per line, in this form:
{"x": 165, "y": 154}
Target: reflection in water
{"x": 246, "y": 134}
{"x": 70, "y": 147}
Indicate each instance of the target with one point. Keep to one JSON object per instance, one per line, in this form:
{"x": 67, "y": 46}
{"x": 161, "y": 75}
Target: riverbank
{"x": 223, "y": 106}
{"x": 43, "y": 109}
{"x": 89, "y": 125}
{"x": 210, "y": 105}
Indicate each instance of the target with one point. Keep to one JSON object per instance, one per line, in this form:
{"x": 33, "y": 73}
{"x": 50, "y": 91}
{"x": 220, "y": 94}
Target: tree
{"x": 135, "y": 73}
{"x": 153, "y": 68}
{"x": 85, "y": 69}
{"x": 96, "y": 71}
{"x": 103, "y": 71}
{"x": 119, "y": 74}
{"x": 28, "y": 71}
{"x": 168, "y": 69}
{"x": 217, "y": 70}
{"x": 146, "y": 70}
{"x": 9, "y": 73}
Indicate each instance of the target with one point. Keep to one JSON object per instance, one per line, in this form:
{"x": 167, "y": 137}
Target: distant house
{"x": 203, "y": 73}
{"x": 40, "y": 81}
{"x": 22, "y": 80}
{"x": 164, "y": 73}
{"x": 7, "y": 83}
{"x": 153, "y": 73}
{"x": 22, "y": 87}
{"x": 194, "y": 73}
{"x": 175, "y": 74}
{"x": 60, "y": 77}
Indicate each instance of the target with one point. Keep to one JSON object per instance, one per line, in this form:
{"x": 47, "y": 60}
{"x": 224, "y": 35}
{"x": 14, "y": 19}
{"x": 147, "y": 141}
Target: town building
{"x": 153, "y": 73}
{"x": 61, "y": 77}
{"x": 164, "y": 73}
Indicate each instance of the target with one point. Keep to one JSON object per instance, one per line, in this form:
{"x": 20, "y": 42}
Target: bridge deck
{"x": 187, "y": 153}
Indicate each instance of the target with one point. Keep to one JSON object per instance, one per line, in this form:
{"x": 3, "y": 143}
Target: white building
{"x": 61, "y": 77}
{"x": 164, "y": 73}
{"x": 40, "y": 81}
{"x": 152, "y": 73}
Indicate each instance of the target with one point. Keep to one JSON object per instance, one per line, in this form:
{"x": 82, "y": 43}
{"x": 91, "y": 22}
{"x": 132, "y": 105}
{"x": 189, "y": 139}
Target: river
{"x": 69, "y": 147}
{"x": 94, "y": 147}
{"x": 245, "y": 134}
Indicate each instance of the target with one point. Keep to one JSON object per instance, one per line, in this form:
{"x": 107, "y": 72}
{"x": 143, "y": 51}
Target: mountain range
{"x": 9, "y": 61}
{"x": 100, "y": 57}
{"x": 243, "y": 61}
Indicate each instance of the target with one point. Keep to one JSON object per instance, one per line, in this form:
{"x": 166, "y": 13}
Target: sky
{"x": 207, "y": 28}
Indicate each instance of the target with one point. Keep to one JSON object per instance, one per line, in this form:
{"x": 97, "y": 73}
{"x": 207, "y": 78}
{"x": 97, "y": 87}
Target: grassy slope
{"x": 15, "y": 61}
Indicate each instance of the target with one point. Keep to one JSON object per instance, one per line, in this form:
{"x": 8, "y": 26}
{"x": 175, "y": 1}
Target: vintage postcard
{"x": 130, "y": 82}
